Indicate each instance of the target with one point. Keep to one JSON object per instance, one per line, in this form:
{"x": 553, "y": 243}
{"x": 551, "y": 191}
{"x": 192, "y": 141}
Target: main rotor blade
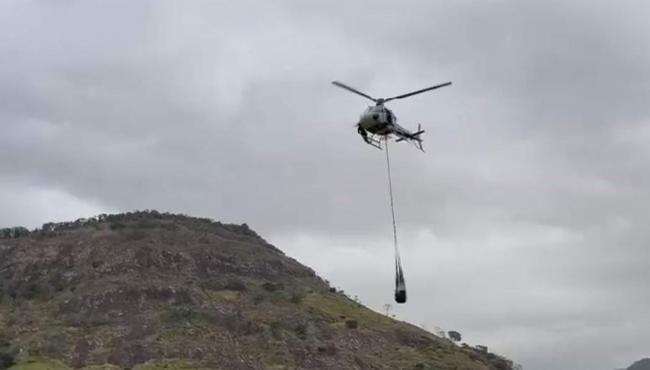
{"x": 336, "y": 83}
{"x": 418, "y": 92}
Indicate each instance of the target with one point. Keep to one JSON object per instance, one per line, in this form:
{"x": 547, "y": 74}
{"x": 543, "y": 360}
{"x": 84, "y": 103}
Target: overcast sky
{"x": 524, "y": 226}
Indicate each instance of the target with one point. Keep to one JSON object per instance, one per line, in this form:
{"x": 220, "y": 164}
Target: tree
{"x": 454, "y": 335}
{"x": 387, "y": 308}
{"x": 14, "y": 232}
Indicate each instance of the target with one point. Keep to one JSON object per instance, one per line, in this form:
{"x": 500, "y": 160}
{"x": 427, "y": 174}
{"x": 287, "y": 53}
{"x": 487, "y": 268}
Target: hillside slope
{"x": 147, "y": 290}
{"x": 640, "y": 365}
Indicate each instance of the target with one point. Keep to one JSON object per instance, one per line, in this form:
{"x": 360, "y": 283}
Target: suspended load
{"x": 400, "y": 284}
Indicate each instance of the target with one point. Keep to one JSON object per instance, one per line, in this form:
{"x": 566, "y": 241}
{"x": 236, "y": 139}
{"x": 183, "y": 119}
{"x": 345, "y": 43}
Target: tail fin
{"x": 417, "y": 137}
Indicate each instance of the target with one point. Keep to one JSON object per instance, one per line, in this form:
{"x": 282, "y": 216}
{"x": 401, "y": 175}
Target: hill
{"x": 147, "y": 290}
{"x": 640, "y": 365}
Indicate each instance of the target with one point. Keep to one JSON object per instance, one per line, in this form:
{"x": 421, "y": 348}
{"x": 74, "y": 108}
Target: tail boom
{"x": 415, "y": 137}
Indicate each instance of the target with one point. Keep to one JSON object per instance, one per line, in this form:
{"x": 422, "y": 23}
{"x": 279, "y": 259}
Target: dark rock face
{"x": 155, "y": 288}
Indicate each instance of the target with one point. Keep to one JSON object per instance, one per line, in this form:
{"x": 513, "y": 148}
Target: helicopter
{"x": 378, "y": 122}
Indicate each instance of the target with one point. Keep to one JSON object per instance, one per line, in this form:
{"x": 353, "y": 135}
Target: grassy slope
{"x": 398, "y": 345}
{"x": 277, "y": 320}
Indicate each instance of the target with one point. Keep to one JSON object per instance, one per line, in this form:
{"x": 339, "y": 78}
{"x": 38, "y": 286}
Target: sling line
{"x": 400, "y": 285}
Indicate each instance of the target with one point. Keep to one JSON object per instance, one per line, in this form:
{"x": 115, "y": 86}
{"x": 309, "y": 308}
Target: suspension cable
{"x": 392, "y": 206}
{"x": 398, "y": 259}
{"x": 400, "y": 288}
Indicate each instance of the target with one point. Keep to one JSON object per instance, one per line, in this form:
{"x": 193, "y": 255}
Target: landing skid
{"x": 374, "y": 141}
{"x": 370, "y": 139}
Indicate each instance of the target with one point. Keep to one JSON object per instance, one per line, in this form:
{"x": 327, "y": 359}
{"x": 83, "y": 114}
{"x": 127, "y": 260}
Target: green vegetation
{"x": 46, "y": 364}
{"x": 296, "y": 297}
{"x": 336, "y": 307}
{"x": 167, "y": 365}
{"x": 187, "y": 316}
{"x": 138, "y": 289}
{"x": 351, "y": 324}
{"x": 6, "y": 360}
{"x": 39, "y": 364}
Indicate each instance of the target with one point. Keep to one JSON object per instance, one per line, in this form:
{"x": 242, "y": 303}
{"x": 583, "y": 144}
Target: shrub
{"x": 296, "y": 298}
{"x": 6, "y": 360}
{"x": 35, "y": 290}
{"x": 301, "y": 331}
{"x": 454, "y": 335}
{"x": 147, "y": 224}
{"x": 328, "y": 349}
{"x": 270, "y": 287}
{"x": 276, "y": 330}
{"x": 236, "y": 285}
{"x": 117, "y": 226}
{"x": 351, "y": 324}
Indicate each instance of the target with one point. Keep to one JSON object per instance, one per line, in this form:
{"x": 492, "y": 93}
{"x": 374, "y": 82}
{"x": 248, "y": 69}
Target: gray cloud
{"x": 522, "y": 226}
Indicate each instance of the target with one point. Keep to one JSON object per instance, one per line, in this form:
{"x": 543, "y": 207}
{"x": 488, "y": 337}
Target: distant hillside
{"x": 147, "y": 290}
{"x": 640, "y": 365}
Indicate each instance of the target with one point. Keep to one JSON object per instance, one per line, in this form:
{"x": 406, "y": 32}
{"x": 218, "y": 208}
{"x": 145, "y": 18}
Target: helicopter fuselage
{"x": 380, "y": 120}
